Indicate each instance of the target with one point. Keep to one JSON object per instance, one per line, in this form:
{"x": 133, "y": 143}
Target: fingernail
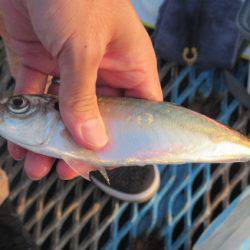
{"x": 18, "y": 158}
{"x": 94, "y": 133}
{"x": 38, "y": 175}
{"x": 33, "y": 178}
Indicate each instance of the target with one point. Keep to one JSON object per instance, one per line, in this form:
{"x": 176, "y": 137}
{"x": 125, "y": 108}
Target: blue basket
{"x": 76, "y": 215}
{"x": 181, "y": 208}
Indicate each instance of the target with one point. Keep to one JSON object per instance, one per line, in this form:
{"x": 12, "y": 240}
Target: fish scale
{"x": 141, "y": 132}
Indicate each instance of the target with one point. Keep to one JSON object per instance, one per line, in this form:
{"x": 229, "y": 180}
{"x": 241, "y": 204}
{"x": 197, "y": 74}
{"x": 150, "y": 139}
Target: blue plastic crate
{"x": 76, "y": 215}
{"x": 181, "y": 204}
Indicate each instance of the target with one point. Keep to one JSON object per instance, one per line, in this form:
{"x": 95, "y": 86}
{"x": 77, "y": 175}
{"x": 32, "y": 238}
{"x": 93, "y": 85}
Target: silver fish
{"x": 140, "y": 132}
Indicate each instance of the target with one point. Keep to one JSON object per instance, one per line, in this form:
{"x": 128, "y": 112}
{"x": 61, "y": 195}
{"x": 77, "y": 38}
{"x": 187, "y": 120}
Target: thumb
{"x": 77, "y": 96}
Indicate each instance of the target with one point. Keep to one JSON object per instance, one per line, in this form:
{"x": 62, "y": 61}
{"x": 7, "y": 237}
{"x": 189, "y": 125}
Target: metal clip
{"x": 190, "y": 55}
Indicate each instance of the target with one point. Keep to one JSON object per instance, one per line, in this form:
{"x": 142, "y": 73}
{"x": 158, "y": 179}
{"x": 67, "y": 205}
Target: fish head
{"x": 28, "y": 120}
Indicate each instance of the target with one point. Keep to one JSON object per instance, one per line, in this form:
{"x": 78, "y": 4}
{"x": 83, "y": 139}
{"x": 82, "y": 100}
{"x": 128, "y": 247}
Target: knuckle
{"x": 82, "y": 105}
{"x": 81, "y": 51}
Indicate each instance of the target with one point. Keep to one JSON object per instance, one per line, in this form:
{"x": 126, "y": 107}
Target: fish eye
{"x": 18, "y": 105}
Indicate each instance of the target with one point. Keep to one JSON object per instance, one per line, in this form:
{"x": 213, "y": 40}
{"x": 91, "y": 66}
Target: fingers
{"x": 108, "y": 91}
{"x": 18, "y": 153}
{"x": 151, "y": 92}
{"x": 30, "y": 81}
{"x": 101, "y": 90}
{"x": 77, "y": 95}
{"x": 13, "y": 61}
{"x": 37, "y": 166}
{"x": 65, "y": 172}
{"x": 144, "y": 85}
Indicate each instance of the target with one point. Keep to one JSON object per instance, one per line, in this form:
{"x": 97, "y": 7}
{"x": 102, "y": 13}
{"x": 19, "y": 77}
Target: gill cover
{"x": 30, "y": 119}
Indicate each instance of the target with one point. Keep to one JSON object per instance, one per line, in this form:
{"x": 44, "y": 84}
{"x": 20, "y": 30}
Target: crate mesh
{"x": 76, "y": 215}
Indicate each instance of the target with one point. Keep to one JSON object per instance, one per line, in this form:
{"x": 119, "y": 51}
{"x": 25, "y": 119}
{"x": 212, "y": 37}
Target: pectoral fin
{"x": 81, "y": 168}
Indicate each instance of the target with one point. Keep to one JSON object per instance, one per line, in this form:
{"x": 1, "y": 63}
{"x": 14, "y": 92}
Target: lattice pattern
{"x": 75, "y": 215}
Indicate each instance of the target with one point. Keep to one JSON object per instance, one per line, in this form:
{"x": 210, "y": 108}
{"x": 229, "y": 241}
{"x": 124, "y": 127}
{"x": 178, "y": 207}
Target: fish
{"x": 141, "y": 132}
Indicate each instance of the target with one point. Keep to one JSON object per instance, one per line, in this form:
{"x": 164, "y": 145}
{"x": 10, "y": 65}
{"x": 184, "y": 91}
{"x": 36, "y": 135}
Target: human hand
{"x": 95, "y": 47}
